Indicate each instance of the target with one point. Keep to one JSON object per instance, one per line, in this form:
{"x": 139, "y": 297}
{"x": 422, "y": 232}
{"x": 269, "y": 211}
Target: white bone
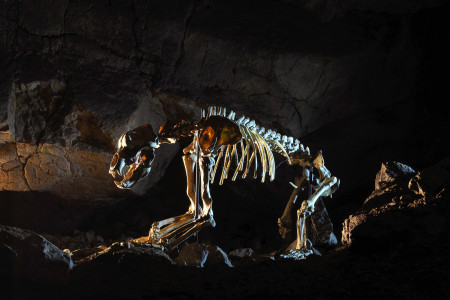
{"x": 261, "y": 131}
{"x": 267, "y": 134}
{"x": 239, "y": 122}
{"x": 213, "y": 174}
{"x": 175, "y": 230}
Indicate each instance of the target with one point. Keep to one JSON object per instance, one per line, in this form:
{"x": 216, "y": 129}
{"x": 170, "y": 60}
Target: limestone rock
{"x": 200, "y": 255}
{"x": 432, "y": 179}
{"x": 11, "y": 170}
{"x": 5, "y": 134}
{"x": 242, "y": 256}
{"x": 390, "y": 171}
{"x": 53, "y": 143}
{"x": 241, "y": 253}
{"x": 394, "y": 218}
{"x": 27, "y": 255}
{"x": 31, "y": 106}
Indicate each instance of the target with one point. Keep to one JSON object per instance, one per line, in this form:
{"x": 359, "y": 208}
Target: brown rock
{"x": 390, "y": 171}
{"x": 31, "y": 106}
{"x": 11, "y": 169}
{"x": 431, "y": 180}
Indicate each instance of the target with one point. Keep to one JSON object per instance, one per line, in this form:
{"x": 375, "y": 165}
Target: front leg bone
{"x": 176, "y": 237}
{"x": 162, "y": 227}
{"x": 172, "y": 238}
{"x": 166, "y": 226}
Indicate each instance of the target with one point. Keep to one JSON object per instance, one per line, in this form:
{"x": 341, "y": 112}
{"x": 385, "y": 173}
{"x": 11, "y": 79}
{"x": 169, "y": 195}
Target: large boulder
{"x": 28, "y": 256}
{"x": 431, "y": 180}
{"x": 201, "y": 255}
{"x": 396, "y": 217}
{"x": 391, "y": 171}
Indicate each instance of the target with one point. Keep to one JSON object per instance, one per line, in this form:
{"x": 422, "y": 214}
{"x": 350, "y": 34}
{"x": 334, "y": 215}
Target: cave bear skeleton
{"x": 222, "y": 139}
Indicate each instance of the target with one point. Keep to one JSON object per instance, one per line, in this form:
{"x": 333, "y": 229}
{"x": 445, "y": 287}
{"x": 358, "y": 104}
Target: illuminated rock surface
{"x": 401, "y": 215}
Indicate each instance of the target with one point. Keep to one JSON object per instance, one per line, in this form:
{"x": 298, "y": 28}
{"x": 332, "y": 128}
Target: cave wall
{"x": 338, "y": 75}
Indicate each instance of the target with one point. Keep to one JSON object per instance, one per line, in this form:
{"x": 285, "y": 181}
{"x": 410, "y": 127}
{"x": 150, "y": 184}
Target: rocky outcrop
{"x": 431, "y": 180}
{"x": 392, "y": 171}
{"x": 408, "y": 210}
{"x": 56, "y": 145}
{"x": 201, "y": 255}
{"x": 27, "y": 255}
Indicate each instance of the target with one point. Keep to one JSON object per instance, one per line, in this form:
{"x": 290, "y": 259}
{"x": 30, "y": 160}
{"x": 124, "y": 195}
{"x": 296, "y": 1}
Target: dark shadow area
{"x": 38, "y": 211}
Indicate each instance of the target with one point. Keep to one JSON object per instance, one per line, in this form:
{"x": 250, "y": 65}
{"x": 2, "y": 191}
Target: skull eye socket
{"x": 147, "y": 156}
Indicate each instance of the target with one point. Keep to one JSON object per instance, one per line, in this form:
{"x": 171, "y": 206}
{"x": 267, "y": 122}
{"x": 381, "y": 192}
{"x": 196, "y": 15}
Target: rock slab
{"x": 201, "y": 255}
{"x": 27, "y": 255}
{"x": 401, "y": 214}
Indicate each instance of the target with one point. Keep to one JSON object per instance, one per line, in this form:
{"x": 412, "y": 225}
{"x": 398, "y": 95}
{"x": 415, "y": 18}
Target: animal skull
{"x": 133, "y": 159}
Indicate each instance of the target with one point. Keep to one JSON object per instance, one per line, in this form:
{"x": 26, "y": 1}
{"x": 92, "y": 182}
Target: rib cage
{"x": 257, "y": 147}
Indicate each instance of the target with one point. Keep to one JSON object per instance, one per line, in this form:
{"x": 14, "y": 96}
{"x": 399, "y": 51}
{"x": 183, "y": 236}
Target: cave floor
{"x": 401, "y": 272}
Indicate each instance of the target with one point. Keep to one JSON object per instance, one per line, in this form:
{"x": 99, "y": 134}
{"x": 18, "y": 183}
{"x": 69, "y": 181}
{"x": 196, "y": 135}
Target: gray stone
{"x": 241, "y": 253}
{"x": 27, "y": 255}
{"x": 402, "y": 214}
{"x": 390, "y": 171}
{"x": 201, "y": 255}
{"x": 30, "y": 107}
